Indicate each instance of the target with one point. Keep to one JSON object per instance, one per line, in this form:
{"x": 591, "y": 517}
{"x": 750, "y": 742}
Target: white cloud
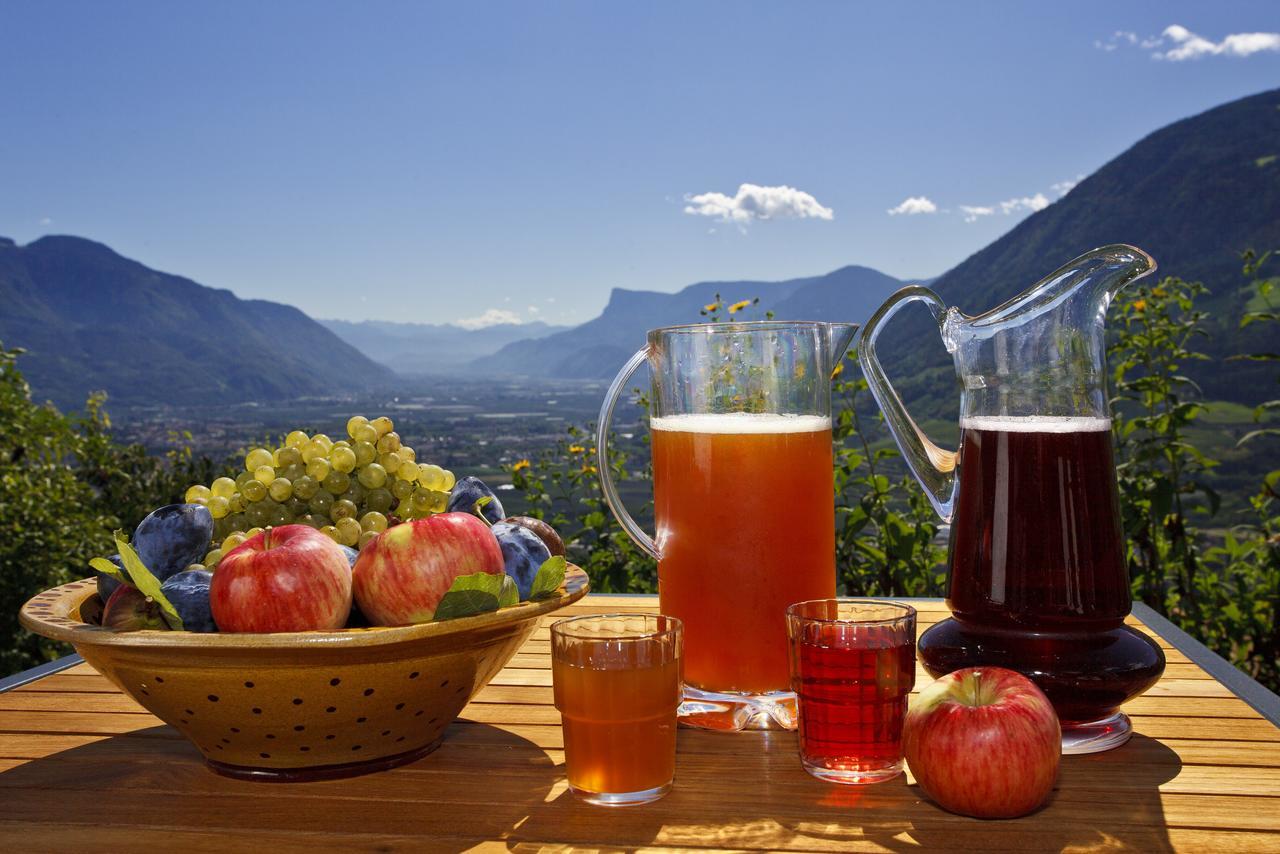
{"x": 533, "y": 309}
{"x": 914, "y": 205}
{"x": 1064, "y": 187}
{"x": 492, "y": 317}
{"x": 753, "y": 202}
{"x": 1038, "y": 202}
{"x": 1177, "y": 44}
{"x": 47, "y": 220}
{"x": 972, "y": 212}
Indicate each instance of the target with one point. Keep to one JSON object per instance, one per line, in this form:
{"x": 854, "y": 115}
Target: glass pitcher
{"x": 1037, "y": 578}
{"x": 740, "y": 427}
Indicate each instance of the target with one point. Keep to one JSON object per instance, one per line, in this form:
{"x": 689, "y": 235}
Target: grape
{"x": 390, "y": 461}
{"x": 383, "y": 425}
{"x": 252, "y": 532}
{"x": 365, "y": 433}
{"x": 315, "y": 450}
{"x": 258, "y": 513}
{"x": 336, "y": 482}
{"x": 343, "y": 459}
{"x": 439, "y": 502}
{"x": 218, "y": 506}
{"x": 296, "y": 507}
{"x": 280, "y": 489}
{"x": 379, "y": 500}
{"x": 320, "y": 503}
{"x": 431, "y": 476}
{"x": 305, "y": 487}
{"x": 373, "y": 521}
{"x": 449, "y": 481}
{"x": 294, "y": 472}
{"x": 232, "y": 541}
{"x": 221, "y": 527}
{"x": 243, "y": 478}
{"x": 264, "y": 475}
{"x": 236, "y": 503}
{"x": 308, "y": 520}
{"x": 354, "y": 423}
{"x": 367, "y": 537}
{"x": 388, "y": 442}
{"x": 372, "y": 476}
{"x": 323, "y": 440}
{"x": 238, "y": 522}
{"x": 257, "y": 457}
{"x": 197, "y": 494}
{"x": 330, "y": 532}
{"x": 254, "y": 490}
{"x": 223, "y": 487}
{"x": 408, "y": 470}
{"x": 407, "y": 453}
{"x": 421, "y": 501}
{"x": 348, "y": 531}
{"x": 212, "y": 558}
{"x": 402, "y": 489}
{"x": 279, "y": 516}
{"x": 297, "y": 439}
{"x": 318, "y": 468}
{"x": 365, "y": 453}
{"x": 288, "y": 456}
{"x": 342, "y": 509}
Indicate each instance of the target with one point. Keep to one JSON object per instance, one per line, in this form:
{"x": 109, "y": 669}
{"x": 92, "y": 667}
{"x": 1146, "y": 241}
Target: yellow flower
{"x": 711, "y": 306}
{"x": 739, "y": 306}
{"x": 588, "y": 469}
{"x": 838, "y": 371}
{"x": 1139, "y": 305}
{"x": 1159, "y": 292}
{"x": 520, "y": 465}
{"x": 576, "y": 449}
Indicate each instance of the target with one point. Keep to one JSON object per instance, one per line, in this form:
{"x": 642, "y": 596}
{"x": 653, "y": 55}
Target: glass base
{"x": 832, "y": 773}
{"x": 730, "y": 711}
{"x": 1096, "y": 736}
{"x": 622, "y": 799}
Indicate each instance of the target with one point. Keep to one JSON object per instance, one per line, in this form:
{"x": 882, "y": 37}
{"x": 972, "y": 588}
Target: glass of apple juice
{"x": 853, "y": 664}
{"x": 617, "y": 680}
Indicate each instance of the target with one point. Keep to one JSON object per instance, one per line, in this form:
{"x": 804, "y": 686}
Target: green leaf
{"x": 549, "y": 578}
{"x": 106, "y": 567}
{"x": 510, "y": 594}
{"x": 469, "y": 595}
{"x": 146, "y": 582}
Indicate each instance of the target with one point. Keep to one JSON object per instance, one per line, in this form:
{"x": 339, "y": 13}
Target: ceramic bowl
{"x": 300, "y": 705}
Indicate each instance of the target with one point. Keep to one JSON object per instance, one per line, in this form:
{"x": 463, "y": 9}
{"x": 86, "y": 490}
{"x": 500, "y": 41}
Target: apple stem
{"x": 266, "y": 538}
{"x": 975, "y": 692}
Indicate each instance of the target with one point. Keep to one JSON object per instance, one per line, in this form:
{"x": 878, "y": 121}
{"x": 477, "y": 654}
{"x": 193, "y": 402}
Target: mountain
{"x": 1194, "y": 195}
{"x": 91, "y": 319}
{"x": 426, "y": 348}
{"x": 599, "y": 347}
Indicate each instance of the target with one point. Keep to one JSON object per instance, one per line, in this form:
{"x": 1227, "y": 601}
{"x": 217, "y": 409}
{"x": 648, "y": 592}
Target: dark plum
{"x": 545, "y": 532}
{"x": 523, "y": 553}
{"x": 351, "y": 554}
{"x": 467, "y": 492}
{"x": 173, "y": 537}
{"x": 188, "y": 591}
{"x": 106, "y": 584}
{"x": 129, "y": 611}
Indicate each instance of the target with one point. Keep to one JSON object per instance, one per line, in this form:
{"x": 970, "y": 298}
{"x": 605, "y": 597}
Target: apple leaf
{"x": 146, "y": 582}
{"x": 106, "y": 567}
{"x": 510, "y": 594}
{"x": 469, "y": 595}
{"x": 549, "y": 578}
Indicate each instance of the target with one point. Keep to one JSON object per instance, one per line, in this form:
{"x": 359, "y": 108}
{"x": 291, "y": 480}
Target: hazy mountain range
{"x": 1194, "y": 194}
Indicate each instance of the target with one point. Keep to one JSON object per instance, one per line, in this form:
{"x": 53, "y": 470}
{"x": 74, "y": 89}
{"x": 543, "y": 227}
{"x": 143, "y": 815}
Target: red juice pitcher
{"x": 1037, "y": 581}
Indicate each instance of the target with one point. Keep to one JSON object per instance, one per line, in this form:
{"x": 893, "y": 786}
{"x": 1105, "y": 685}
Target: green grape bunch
{"x": 352, "y": 490}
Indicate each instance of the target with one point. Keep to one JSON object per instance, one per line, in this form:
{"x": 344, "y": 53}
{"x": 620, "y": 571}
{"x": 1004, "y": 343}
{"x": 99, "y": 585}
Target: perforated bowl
{"x": 300, "y": 705}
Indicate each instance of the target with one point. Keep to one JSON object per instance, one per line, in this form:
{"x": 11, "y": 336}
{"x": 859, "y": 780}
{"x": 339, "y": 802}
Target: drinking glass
{"x": 617, "y": 686}
{"x": 852, "y": 667}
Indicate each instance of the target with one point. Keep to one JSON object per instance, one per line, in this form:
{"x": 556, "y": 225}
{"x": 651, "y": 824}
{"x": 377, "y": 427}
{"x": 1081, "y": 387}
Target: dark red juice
{"x": 852, "y": 684}
{"x": 1038, "y": 581}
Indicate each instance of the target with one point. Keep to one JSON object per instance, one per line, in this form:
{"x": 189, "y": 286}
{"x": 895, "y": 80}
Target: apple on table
{"x": 984, "y": 742}
{"x": 287, "y": 579}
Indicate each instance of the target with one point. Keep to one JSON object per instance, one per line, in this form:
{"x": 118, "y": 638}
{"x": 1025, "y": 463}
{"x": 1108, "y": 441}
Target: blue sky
{"x": 443, "y": 162}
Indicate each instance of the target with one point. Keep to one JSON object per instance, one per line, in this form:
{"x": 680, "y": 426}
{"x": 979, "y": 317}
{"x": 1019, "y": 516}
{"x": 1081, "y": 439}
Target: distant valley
{"x": 425, "y": 349}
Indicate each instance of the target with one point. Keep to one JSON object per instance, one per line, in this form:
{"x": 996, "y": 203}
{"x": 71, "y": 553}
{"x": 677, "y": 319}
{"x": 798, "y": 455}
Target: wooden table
{"x": 82, "y": 767}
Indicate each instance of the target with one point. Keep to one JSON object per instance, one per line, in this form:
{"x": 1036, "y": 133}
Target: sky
{"x": 482, "y": 162}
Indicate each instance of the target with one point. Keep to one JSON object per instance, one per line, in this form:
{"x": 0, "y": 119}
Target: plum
{"x": 128, "y": 610}
{"x": 188, "y": 592}
{"x": 545, "y": 532}
{"x": 106, "y": 584}
{"x": 173, "y": 537}
{"x": 351, "y": 554}
{"x": 467, "y": 492}
{"x": 523, "y": 553}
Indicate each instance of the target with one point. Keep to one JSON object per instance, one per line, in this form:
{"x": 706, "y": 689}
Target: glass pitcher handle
{"x": 611, "y": 496}
{"x": 934, "y": 467}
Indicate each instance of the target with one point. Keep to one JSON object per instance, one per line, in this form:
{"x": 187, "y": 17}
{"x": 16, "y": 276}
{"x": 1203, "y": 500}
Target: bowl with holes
{"x": 300, "y": 705}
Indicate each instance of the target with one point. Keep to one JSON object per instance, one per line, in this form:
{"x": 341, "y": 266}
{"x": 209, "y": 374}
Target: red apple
{"x": 287, "y": 579}
{"x": 402, "y": 574}
{"x": 985, "y": 742}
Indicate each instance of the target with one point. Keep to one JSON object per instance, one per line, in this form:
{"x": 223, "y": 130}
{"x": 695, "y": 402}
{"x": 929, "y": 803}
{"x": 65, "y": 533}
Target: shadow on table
{"x": 1109, "y": 801}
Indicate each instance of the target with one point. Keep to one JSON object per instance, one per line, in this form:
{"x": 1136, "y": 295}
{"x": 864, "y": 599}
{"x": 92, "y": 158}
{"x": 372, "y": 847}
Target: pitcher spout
{"x": 839, "y": 337}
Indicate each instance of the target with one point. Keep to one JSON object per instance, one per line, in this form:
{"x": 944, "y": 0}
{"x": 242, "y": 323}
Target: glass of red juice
{"x": 852, "y": 667}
